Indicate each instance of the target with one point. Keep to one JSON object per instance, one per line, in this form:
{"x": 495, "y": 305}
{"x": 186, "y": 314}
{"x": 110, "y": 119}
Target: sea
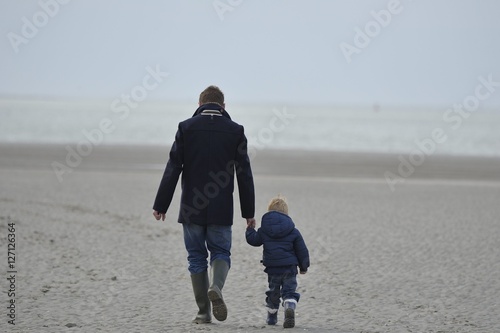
{"x": 375, "y": 129}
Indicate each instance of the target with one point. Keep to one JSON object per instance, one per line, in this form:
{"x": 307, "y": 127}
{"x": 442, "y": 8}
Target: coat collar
{"x": 211, "y": 107}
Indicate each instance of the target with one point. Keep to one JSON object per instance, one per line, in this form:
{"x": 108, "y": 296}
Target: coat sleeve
{"x": 253, "y": 237}
{"x": 171, "y": 174}
{"x": 301, "y": 252}
{"x": 245, "y": 179}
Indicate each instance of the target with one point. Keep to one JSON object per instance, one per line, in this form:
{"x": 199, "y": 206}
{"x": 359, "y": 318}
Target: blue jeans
{"x": 281, "y": 285}
{"x": 201, "y": 239}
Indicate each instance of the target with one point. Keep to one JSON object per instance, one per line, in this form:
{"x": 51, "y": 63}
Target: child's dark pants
{"x": 281, "y": 285}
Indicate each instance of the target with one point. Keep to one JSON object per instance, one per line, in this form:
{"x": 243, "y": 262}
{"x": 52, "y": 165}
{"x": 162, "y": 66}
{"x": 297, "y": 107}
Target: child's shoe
{"x": 290, "y": 305}
{"x": 272, "y": 316}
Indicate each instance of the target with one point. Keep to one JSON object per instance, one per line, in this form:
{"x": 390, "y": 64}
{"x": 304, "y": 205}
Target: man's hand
{"x": 158, "y": 216}
{"x": 303, "y": 272}
{"x": 251, "y": 223}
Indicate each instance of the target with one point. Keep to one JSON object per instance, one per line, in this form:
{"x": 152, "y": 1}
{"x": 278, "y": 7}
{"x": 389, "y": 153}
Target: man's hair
{"x": 279, "y": 204}
{"x": 212, "y": 94}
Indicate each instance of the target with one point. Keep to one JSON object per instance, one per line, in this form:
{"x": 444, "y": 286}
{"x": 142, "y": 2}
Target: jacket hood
{"x": 276, "y": 224}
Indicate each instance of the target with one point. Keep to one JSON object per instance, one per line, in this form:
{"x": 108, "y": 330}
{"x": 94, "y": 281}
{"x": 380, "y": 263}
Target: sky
{"x": 314, "y": 52}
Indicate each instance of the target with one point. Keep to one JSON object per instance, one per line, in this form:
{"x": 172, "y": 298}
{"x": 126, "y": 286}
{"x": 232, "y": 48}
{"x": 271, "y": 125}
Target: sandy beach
{"x": 90, "y": 257}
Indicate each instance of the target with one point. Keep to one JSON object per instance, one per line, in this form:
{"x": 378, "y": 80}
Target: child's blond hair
{"x": 278, "y": 204}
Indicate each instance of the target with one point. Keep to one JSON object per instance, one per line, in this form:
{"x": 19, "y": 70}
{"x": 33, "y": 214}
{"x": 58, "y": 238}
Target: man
{"x": 209, "y": 149}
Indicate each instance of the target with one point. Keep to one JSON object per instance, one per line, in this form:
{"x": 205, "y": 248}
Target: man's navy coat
{"x": 209, "y": 149}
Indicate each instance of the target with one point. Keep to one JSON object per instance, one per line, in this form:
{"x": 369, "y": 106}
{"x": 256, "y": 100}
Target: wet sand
{"x": 89, "y": 254}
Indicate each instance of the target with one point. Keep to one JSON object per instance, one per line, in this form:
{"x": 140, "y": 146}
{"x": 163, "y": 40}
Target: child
{"x": 284, "y": 250}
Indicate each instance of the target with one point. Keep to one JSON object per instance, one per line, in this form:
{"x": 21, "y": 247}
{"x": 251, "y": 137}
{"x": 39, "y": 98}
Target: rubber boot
{"x": 272, "y": 316}
{"x": 290, "y": 305}
{"x": 220, "y": 268}
{"x": 200, "y": 289}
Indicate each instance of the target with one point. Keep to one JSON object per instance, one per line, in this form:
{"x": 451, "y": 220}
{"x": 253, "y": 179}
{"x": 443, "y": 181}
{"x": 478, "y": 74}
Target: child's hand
{"x": 251, "y": 223}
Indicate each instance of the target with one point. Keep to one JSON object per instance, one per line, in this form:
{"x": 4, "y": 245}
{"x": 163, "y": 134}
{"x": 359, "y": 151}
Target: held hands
{"x": 159, "y": 216}
{"x": 251, "y": 223}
